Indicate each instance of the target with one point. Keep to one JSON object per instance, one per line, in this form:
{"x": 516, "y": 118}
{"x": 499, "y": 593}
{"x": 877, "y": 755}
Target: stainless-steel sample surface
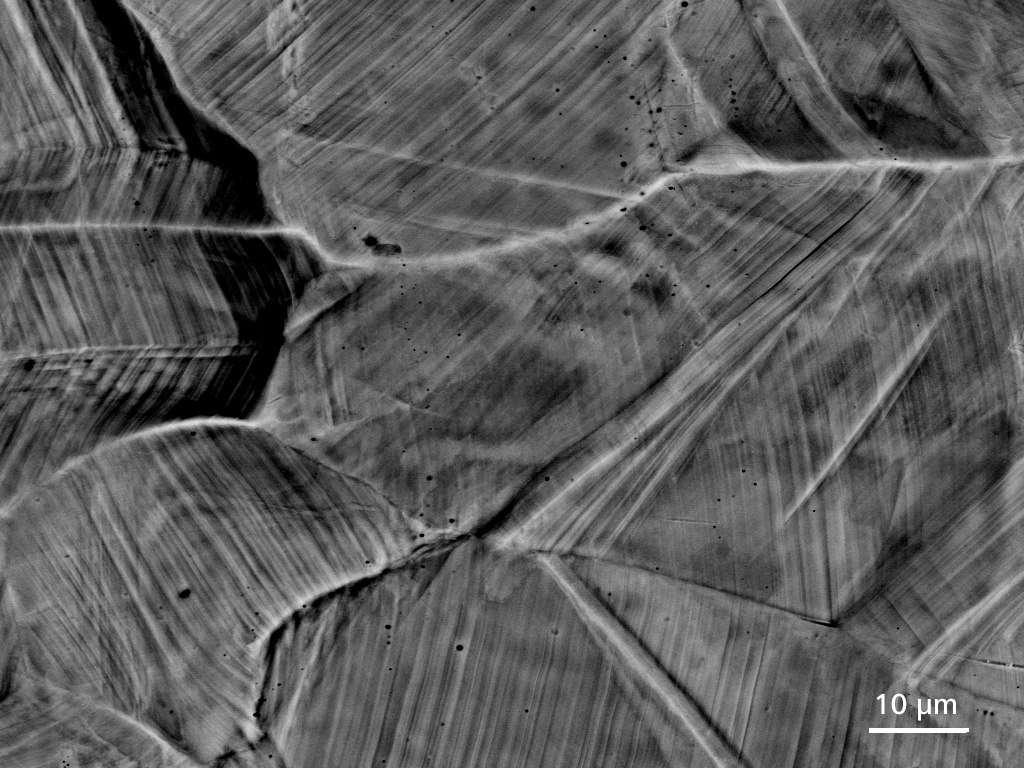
{"x": 555, "y": 384}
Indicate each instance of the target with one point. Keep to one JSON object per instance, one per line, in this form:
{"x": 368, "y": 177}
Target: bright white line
{"x": 918, "y": 730}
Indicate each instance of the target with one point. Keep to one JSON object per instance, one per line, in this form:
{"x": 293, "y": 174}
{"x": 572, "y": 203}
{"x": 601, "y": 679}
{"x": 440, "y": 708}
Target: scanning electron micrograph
{"x": 511, "y": 383}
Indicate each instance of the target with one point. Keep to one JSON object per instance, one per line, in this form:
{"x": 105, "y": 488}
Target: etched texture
{"x": 491, "y": 384}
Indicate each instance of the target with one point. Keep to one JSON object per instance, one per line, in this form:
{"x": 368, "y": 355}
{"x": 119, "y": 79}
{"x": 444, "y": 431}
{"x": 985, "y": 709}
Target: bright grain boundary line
{"x": 255, "y": 230}
{"x": 919, "y": 730}
{"x": 738, "y": 166}
{"x": 709, "y": 166}
{"x": 638, "y": 664}
{"x": 672, "y": 176}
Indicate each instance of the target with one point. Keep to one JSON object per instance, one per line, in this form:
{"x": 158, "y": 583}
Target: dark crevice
{"x": 157, "y": 109}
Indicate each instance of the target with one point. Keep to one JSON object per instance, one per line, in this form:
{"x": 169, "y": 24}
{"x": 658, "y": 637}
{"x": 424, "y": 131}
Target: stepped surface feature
{"x": 586, "y": 383}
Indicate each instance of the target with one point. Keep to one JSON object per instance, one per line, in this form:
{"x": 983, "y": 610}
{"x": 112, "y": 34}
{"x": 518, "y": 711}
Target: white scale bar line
{"x": 919, "y": 730}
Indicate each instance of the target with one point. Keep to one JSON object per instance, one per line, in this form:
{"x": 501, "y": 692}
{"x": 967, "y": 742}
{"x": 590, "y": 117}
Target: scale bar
{"x": 919, "y": 730}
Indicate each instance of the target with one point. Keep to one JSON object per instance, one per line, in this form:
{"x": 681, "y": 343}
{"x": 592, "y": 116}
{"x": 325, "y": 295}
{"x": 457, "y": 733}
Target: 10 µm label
{"x": 898, "y": 706}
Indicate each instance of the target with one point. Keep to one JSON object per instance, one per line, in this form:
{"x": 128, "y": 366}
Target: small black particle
{"x": 458, "y": 647}
{"x": 370, "y": 240}
{"x": 185, "y": 593}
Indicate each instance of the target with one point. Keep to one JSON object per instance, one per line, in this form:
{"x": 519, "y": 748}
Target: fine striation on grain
{"x": 148, "y": 575}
